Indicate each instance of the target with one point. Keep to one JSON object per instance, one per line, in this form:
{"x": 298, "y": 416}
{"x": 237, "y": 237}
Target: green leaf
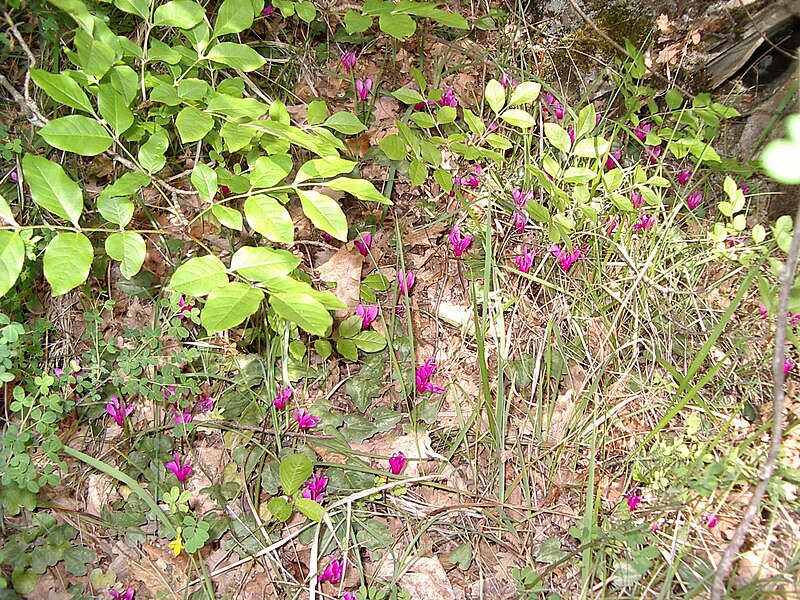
{"x": 445, "y": 115}
{"x": 674, "y": 98}
{"x": 587, "y": 121}
{"x": 229, "y": 217}
{"x": 295, "y": 469}
{"x": 151, "y": 153}
{"x": 229, "y": 305}
{"x": 591, "y": 147}
{"x": 525, "y": 92}
{"x": 461, "y": 555}
{"x": 394, "y": 147}
{"x": 408, "y": 96}
{"x": 306, "y": 11}
{"x": 360, "y": 188}
{"x": 347, "y": 348}
{"x": 345, "y": 122}
{"x": 369, "y": 341}
{"x": 262, "y": 264}
{"x": 518, "y": 118}
{"x": 52, "y": 189}
{"x": 424, "y": 120}
{"x": 234, "y": 16}
{"x": 578, "y": 175}
{"x": 115, "y": 209}
{"x": 114, "y": 108}
{"x": 67, "y": 260}
{"x": 129, "y": 183}
{"x": 280, "y": 508}
{"x": 193, "y": 124}
{"x": 94, "y": 56}
{"x": 269, "y": 218}
{"x": 236, "y": 56}
{"x": 356, "y": 428}
{"x": 557, "y": 136}
{"x": 269, "y": 171}
{"x": 356, "y": 23}
{"x": 5, "y": 212}
{"x": 303, "y": 310}
{"x": 398, "y": 26}
{"x": 204, "y": 180}
{"x": 322, "y": 168}
{"x": 495, "y": 95}
{"x": 418, "y": 172}
{"x": 240, "y": 109}
{"x": 63, "y": 89}
{"x": 130, "y": 249}
{"x": 475, "y": 123}
{"x": 12, "y": 256}
{"x": 140, "y": 8}
{"x": 309, "y": 508}
{"x": 317, "y": 112}
{"x": 78, "y": 134}
{"x": 198, "y": 276}
{"x": 324, "y": 212}
{"x": 183, "y": 14}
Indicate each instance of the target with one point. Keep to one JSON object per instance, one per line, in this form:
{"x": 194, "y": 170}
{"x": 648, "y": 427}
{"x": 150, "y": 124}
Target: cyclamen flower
{"x": 364, "y": 244}
{"x": 363, "y": 86}
{"x": 565, "y": 259}
{"x": 743, "y": 186}
{"x": 520, "y": 220}
{"x": 423, "y": 378}
{"x": 637, "y": 200}
{"x": 641, "y": 130}
{"x": 710, "y": 519}
{"x": 348, "y": 60}
{"x": 612, "y": 161}
{"x": 282, "y": 397}
{"x": 644, "y": 223}
{"x": 525, "y": 259}
{"x": 652, "y": 153}
{"x": 182, "y": 416}
{"x": 788, "y": 366}
{"x": 763, "y": 310}
{"x": 183, "y": 307}
{"x": 507, "y": 82}
{"x": 205, "y": 404}
{"x": 349, "y": 596}
{"x": 118, "y": 410}
{"x": 396, "y": 462}
{"x": 305, "y": 420}
{"x": 521, "y": 198}
{"x": 460, "y": 243}
{"x": 181, "y": 471}
{"x": 126, "y": 595}
{"x": 684, "y": 176}
{"x": 611, "y": 225}
{"x": 406, "y": 281}
{"x": 694, "y": 199}
{"x": 333, "y": 572}
{"x": 448, "y": 99}
{"x": 555, "y": 105}
{"x": 471, "y": 181}
{"x": 367, "y": 313}
{"x": 315, "y": 488}
{"x": 268, "y": 10}
{"x": 571, "y": 134}
{"x": 633, "y": 499}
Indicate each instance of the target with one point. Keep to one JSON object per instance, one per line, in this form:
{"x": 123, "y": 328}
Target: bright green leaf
{"x": 309, "y": 508}
{"x": 306, "y": 11}
{"x": 525, "y": 92}
{"x": 198, "y": 276}
{"x": 394, "y": 147}
{"x": 408, "y": 96}
{"x": 193, "y": 124}
{"x": 227, "y": 216}
{"x": 236, "y": 56}
{"x": 557, "y": 136}
{"x": 114, "y": 108}
{"x": 397, "y": 25}
{"x": 78, "y": 134}
{"x": 115, "y": 209}
{"x": 518, "y": 118}
{"x": 140, "y": 8}
{"x": 67, "y": 260}
{"x": 52, "y": 189}
{"x": 234, "y": 16}
{"x": 321, "y": 168}
{"x": 360, "y": 188}
{"x": 12, "y": 256}
{"x": 5, "y": 212}
{"x": 229, "y": 305}
{"x": 495, "y": 95}
{"x": 204, "y": 180}
{"x": 345, "y": 122}
{"x": 303, "y": 310}
{"x": 280, "y": 508}
{"x": 63, "y": 89}
{"x": 269, "y": 218}
{"x": 262, "y": 264}
{"x": 183, "y": 14}
{"x": 151, "y": 153}
{"x": 356, "y": 23}
{"x": 295, "y": 469}
{"x": 269, "y": 171}
{"x": 130, "y": 249}
{"x": 324, "y": 212}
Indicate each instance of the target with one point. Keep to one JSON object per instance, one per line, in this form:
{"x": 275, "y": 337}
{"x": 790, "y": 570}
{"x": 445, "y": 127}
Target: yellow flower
{"x": 177, "y": 543}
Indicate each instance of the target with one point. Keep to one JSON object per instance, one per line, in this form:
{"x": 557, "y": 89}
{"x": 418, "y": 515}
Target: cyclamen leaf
{"x": 199, "y": 276}
{"x": 324, "y": 212}
{"x": 52, "y": 189}
{"x": 63, "y": 89}
{"x": 269, "y": 218}
{"x": 295, "y": 469}
{"x": 229, "y": 305}
{"x": 12, "y": 257}
{"x": 67, "y": 260}
{"x": 130, "y": 249}
{"x": 78, "y": 134}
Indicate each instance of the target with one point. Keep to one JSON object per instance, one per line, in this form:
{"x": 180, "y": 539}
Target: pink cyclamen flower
{"x": 460, "y": 243}
{"x": 282, "y": 397}
{"x": 305, "y": 420}
{"x": 268, "y": 10}
{"x": 14, "y": 177}
{"x": 348, "y": 61}
{"x": 349, "y": 596}
{"x": 612, "y": 160}
{"x": 710, "y": 519}
{"x": 126, "y": 595}
{"x": 743, "y": 186}
{"x": 793, "y": 318}
{"x": 554, "y": 106}
{"x": 655, "y": 527}
{"x": 406, "y": 281}
{"x": 184, "y": 307}
{"x": 367, "y": 313}
{"x": 634, "y": 499}
{"x": 521, "y": 198}
{"x": 363, "y": 86}
{"x": 448, "y": 99}
{"x": 611, "y": 225}
{"x": 396, "y": 462}
{"x": 327, "y": 237}
{"x": 181, "y": 471}
{"x": 364, "y": 243}
{"x": 652, "y": 153}
{"x": 333, "y": 572}
{"x": 205, "y": 404}
{"x": 571, "y": 134}
{"x": 694, "y": 199}
{"x": 423, "y": 378}
{"x": 525, "y": 259}
{"x": 315, "y": 488}
{"x": 644, "y": 223}
{"x": 637, "y": 200}
{"x": 763, "y": 310}
{"x": 182, "y": 416}
{"x": 641, "y": 130}
{"x": 788, "y": 366}
{"x": 118, "y": 410}
{"x": 520, "y": 220}
{"x": 565, "y": 259}
{"x": 507, "y": 82}
{"x": 684, "y": 176}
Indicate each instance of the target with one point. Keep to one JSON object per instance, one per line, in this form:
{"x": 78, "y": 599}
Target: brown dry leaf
{"x": 669, "y": 54}
{"x": 344, "y": 270}
{"x": 695, "y": 37}
{"x": 562, "y": 413}
{"x": 385, "y": 111}
{"x": 425, "y": 579}
{"x": 422, "y": 236}
{"x": 102, "y": 490}
{"x": 663, "y": 24}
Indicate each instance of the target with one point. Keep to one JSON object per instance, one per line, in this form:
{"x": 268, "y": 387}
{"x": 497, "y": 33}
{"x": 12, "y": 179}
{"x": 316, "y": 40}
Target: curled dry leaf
{"x": 344, "y": 270}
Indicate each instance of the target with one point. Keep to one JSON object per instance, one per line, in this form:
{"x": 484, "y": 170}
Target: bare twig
{"x": 778, "y": 377}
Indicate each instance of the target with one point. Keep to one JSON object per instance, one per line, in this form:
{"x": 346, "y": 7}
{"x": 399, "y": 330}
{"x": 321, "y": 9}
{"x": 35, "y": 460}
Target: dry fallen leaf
{"x": 425, "y": 579}
{"x": 344, "y": 270}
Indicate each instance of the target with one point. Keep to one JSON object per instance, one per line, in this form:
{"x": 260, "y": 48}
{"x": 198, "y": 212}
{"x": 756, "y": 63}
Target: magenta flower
{"x": 126, "y": 595}
{"x": 333, "y": 572}
{"x": 448, "y": 99}
{"x": 565, "y": 259}
{"x": 460, "y": 243}
{"x": 641, "y": 130}
{"x": 315, "y": 488}
{"x": 525, "y": 259}
{"x": 611, "y": 225}
{"x": 743, "y": 186}
{"x": 520, "y": 220}
{"x": 507, "y": 82}
{"x": 423, "y": 378}
{"x": 349, "y": 596}
{"x": 637, "y": 200}
{"x": 571, "y": 134}
{"x": 348, "y": 61}
{"x": 652, "y": 153}
{"x": 634, "y": 499}
{"x": 793, "y": 318}
{"x": 763, "y": 310}
{"x": 694, "y": 199}
{"x": 205, "y": 404}
{"x": 327, "y": 237}
{"x": 267, "y": 10}
{"x": 710, "y": 519}
{"x": 182, "y": 416}
{"x": 364, "y": 244}
{"x": 14, "y": 177}
{"x": 367, "y": 313}
{"x": 184, "y": 307}
{"x": 181, "y": 471}
{"x": 788, "y": 366}
{"x": 521, "y": 198}
{"x": 684, "y": 176}
{"x": 119, "y": 410}
{"x": 554, "y": 106}
{"x": 612, "y": 160}
{"x": 396, "y": 462}
{"x": 406, "y": 281}
{"x": 363, "y": 86}
{"x": 644, "y": 223}
{"x": 282, "y": 397}
{"x": 305, "y": 420}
